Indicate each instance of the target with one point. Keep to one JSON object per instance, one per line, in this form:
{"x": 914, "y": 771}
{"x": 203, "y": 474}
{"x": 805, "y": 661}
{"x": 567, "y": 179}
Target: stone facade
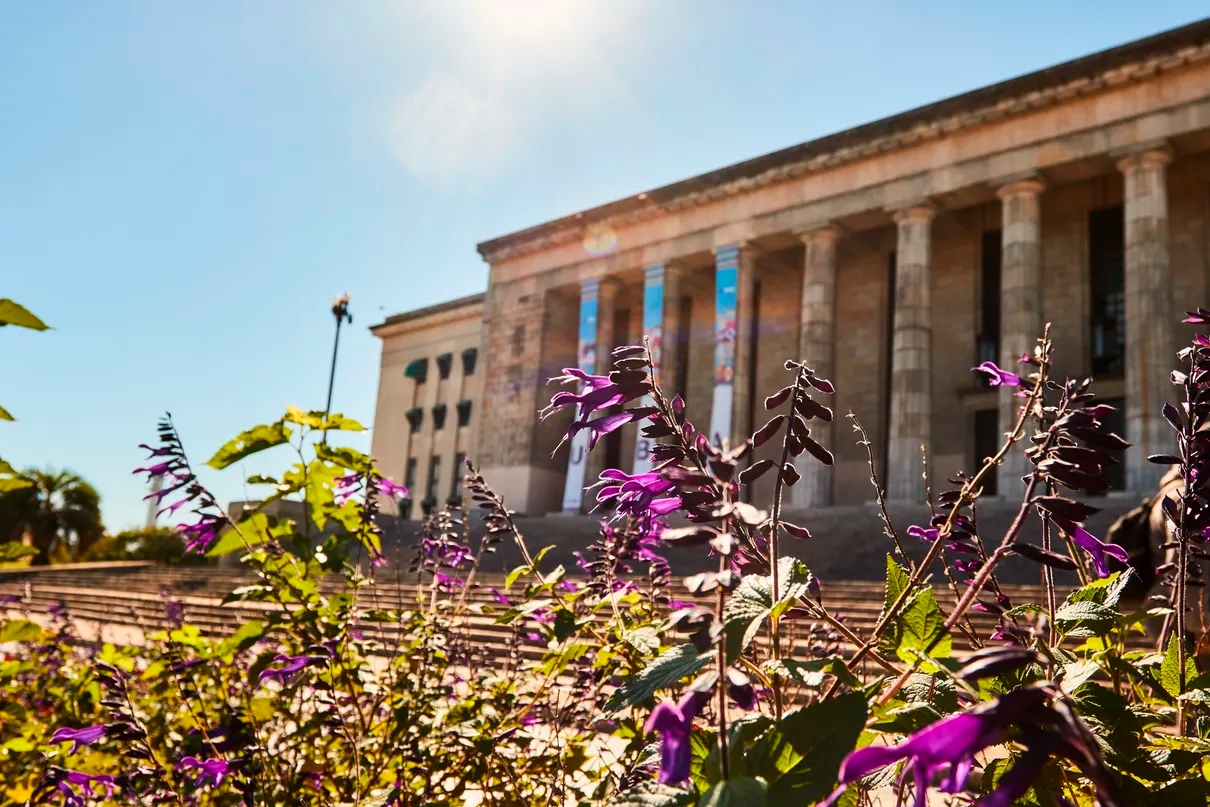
{"x": 430, "y": 388}
{"x": 866, "y": 254}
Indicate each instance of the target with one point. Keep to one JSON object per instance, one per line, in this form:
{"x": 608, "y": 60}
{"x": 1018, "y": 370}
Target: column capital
{"x": 1149, "y": 156}
{"x": 824, "y": 232}
{"x": 1028, "y": 185}
{"x": 920, "y": 211}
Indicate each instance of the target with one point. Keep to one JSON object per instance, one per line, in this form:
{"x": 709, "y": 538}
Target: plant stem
{"x": 724, "y": 761}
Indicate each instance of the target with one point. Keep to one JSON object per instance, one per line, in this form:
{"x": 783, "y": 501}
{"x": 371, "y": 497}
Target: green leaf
{"x": 14, "y": 314}
{"x": 897, "y": 580}
{"x": 1196, "y": 696}
{"x": 645, "y": 640}
{"x": 1085, "y": 618}
{"x": 18, "y": 745}
{"x": 919, "y": 625}
{"x": 255, "y": 529}
{"x": 253, "y": 441}
{"x": 10, "y": 483}
{"x": 822, "y": 734}
{"x": 15, "y": 550}
{"x": 5, "y": 415}
{"x": 338, "y": 422}
{"x": 312, "y": 420}
{"x": 743, "y": 791}
{"x": 1170, "y": 676}
{"x": 20, "y": 630}
{"x": 668, "y": 669}
{"x": 1103, "y": 591}
{"x": 244, "y": 638}
{"x": 348, "y": 458}
{"x": 811, "y": 673}
{"x": 649, "y": 793}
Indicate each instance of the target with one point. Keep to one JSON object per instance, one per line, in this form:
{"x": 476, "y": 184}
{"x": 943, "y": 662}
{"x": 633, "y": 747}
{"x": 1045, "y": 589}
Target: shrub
{"x": 611, "y": 692}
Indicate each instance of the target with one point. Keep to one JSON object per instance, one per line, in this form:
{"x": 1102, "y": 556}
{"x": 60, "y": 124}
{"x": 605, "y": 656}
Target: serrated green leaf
{"x": 670, "y": 668}
{"x": 252, "y": 441}
{"x": 5, "y": 414}
{"x": 12, "y": 313}
{"x": 255, "y": 529}
{"x": 1085, "y": 618}
{"x": 348, "y": 458}
{"x": 1170, "y": 669}
{"x": 822, "y": 734}
{"x": 645, "y": 640}
{"x": 1104, "y": 591}
{"x": 648, "y": 793}
{"x": 919, "y": 625}
{"x": 812, "y": 673}
{"x": 742, "y": 791}
{"x": 20, "y": 630}
{"x": 897, "y": 580}
{"x": 247, "y": 635}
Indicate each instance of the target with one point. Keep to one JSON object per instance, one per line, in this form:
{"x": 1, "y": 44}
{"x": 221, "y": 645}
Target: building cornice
{"x": 1132, "y": 62}
{"x": 449, "y": 311}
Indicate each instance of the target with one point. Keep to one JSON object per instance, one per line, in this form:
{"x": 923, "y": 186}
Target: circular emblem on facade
{"x": 600, "y": 239}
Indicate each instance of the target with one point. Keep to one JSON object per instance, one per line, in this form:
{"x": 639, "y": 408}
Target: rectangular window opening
{"x": 456, "y": 481}
{"x": 1107, "y": 290}
{"x": 445, "y": 363}
{"x": 988, "y": 340}
{"x": 987, "y": 443}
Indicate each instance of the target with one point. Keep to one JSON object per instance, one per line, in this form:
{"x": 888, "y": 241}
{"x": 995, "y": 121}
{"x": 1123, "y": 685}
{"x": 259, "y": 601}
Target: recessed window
{"x": 430, "y": 495}
{"x": 987, "y": 443}
{"x": 987, "y": 347}
{"x": 445, "y": 362}
{"x": 438, "y": 417}
{"x": 1107, "y": 289}
{"x": 456, "y": 482}
{"x": 409, "y": 481}
{"x": 418, "y": 370}
{"x": 415, "y": 417}
{"x": 464, "y": 413}
{"x": 469, "y": 357}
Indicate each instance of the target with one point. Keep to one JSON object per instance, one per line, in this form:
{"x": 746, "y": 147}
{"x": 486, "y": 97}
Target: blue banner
{"x": 653, "y": 329}
{"x": 726, "y": 283}
{"x": 573, "y": 489}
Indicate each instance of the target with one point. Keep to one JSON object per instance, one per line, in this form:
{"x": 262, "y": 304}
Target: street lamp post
{"x": 340, "y": 310}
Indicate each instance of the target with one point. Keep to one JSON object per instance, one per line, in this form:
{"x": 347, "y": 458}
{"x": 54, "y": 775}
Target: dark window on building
{"x": 685, "y": 320}
{"x": 434, "y": 483}
{"x": 518, "y": 340}
{"x": 464, "y": 413}
{"x": 1115, "y": 475}
{"x": 469, "y": 357}
{"x": 988, "y": 345}
{"x": 409, "y": 482}
{"x": 439, "y": 417}
{"x": 418, "y": 370}
{"x": 445, "y": 362}
{"x": 456, "y": 482}
{"x": 888, "y": 348}
{"x": 415, "y": 417}
{"x": 987, "y": 443}
{"x": 1106, "y": 282}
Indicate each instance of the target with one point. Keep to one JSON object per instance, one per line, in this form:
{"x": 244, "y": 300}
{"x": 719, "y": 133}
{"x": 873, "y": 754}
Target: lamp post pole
{"x": 340, "y": 310}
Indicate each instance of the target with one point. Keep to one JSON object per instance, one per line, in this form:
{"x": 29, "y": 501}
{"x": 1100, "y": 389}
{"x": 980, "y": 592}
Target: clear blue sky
{"x": 184, "y": 187}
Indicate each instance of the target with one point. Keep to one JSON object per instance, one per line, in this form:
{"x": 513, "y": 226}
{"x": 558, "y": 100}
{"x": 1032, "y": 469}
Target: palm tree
{"x": 60, "y": 512}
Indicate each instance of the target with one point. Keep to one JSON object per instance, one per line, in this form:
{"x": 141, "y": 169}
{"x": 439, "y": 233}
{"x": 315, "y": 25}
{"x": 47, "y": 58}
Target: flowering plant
{"x": 364, "y": 673}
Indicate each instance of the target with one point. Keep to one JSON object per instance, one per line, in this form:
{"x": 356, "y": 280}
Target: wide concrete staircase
{"x": 136, "y": 595}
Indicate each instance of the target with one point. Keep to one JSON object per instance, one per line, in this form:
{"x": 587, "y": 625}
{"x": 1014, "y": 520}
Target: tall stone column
{"x": 1150, "y": 331}
{"x": 817, "y": 348}
{"x": 1020, "y": 310}
{"x": 670, "y": 336}
{"x": 655, "y": 301}
{"x": 587, "y": 353}
{"x": 733, "y": 309}
{"x": 911, "y": 367}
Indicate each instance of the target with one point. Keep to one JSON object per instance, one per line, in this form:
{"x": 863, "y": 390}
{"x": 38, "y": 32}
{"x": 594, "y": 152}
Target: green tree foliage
{"x": 159, "y": 544}
{"x": 60, "y": 512}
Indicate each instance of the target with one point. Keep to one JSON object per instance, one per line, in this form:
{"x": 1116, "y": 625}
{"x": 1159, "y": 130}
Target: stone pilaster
{"x": 655, "y": 301}
{"x": 745, "y": 352}
{"x": 1150, "y": 329}
{"x": 670, "y": 352}
{"x": 817, "y": 348}
{"x": 588, "y": 359}
{"x": 911, "y": 366}
{"x": 1020, "y": 310}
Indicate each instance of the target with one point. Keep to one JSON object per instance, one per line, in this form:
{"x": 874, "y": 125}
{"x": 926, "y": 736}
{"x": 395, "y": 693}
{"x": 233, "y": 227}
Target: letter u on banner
{"x": 653, "y": 328}
{"x": 726, "y": 284}
{"x": 577, "y": 462}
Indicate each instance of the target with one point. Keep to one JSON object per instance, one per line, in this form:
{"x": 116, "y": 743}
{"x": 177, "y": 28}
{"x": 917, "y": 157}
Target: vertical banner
{"x": 577, "y": 462}
{"x": 653, "y": 328}
{"x": 726, "y": 285}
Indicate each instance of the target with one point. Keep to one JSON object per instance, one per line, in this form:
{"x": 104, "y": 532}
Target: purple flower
{"x": 1095, "y": 547}
{"x": 199, "y": 536}
{"x": 637, "y": 493}
{"x": 209, "y": 771}
{"x": 598, "y": 393}
{"x": 674, "y": 722}
{"x": 392, "y": 491}
{"x": 928, "y": 535}
{"x": 78, "y": 737}
{"x": 289, "y": 666}
{"x": 997, "y": 377}
{"x": 345, "y": 488}
{"x": 75, "y": 786}
{"x": 500, "y": 597}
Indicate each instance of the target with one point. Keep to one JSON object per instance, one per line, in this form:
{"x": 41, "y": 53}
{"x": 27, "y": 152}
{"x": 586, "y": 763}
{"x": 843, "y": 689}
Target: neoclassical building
{"x": 891, "y": 257}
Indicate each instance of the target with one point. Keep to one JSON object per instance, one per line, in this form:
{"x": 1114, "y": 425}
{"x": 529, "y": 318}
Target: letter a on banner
{"x": 573, "y": 491}
{"x": 653, "y": 328}
{"x": 726, "y": 286}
